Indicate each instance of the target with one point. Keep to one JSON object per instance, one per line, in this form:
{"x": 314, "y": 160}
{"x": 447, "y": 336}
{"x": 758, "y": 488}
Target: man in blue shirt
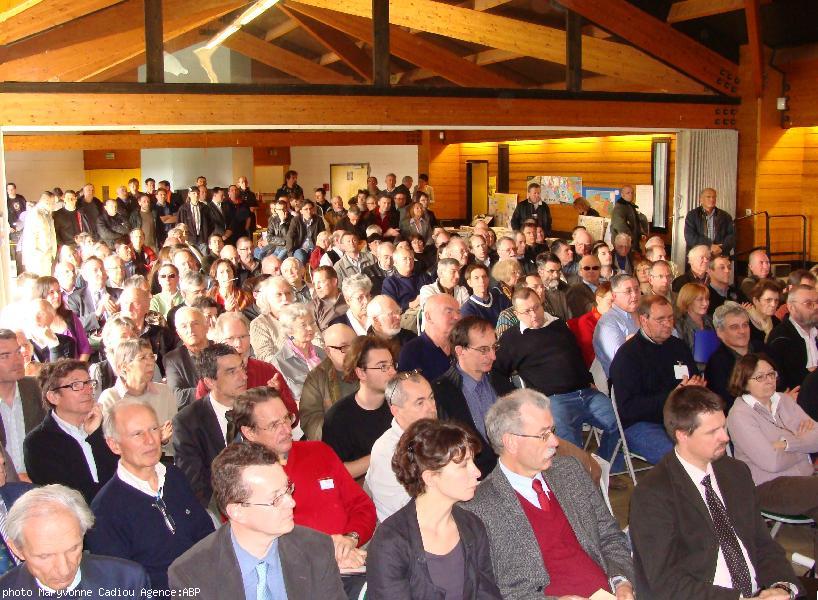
{"x": 430, "y": 352}
{"x": 275, "y": 558}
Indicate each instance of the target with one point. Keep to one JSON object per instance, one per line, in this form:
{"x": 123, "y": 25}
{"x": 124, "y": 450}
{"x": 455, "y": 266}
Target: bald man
{"x": 430, "y": 353}
{"x": 325, "y": 384}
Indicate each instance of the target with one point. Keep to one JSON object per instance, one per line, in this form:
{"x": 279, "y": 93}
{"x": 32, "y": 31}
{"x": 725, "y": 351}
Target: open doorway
{"x": 477, "y": 188}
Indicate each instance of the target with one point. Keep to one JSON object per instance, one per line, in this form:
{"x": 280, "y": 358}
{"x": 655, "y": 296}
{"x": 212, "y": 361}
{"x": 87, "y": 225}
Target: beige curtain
{"x": 705, "y": 158}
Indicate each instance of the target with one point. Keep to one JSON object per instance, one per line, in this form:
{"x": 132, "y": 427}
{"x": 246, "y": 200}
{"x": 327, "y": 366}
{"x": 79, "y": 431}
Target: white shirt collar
{"x": 524, "y": 485}
{"x": 73, "y": 585}
{"x": 549, "y": 318}
{"x": 140, "y": 484}
{"x": 775, "y": 399}
{"x": 221, "y": 414}
{"x": 72, "y": 430}
{"x": 695, "y": 473}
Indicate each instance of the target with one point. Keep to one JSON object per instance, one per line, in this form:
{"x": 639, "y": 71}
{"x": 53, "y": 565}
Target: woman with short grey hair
{"x": 298, "y": 355}
{"x": 356, "y": 289}
{"x": 136, "y": 364}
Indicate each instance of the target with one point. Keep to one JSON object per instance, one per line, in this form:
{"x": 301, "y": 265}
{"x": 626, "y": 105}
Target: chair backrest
{"x": 600, "y": 379}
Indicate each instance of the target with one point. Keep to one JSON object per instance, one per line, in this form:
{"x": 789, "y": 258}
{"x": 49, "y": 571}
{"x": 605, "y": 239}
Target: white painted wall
{"x": 184, "y": 66}
{"x": 181, "y": 166}
{"x": 312, "y": 162}
{"x": 35, "y": 172}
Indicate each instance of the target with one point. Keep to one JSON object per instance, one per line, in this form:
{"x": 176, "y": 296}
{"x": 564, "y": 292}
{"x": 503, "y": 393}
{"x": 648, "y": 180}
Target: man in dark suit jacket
{"x": 581, "y": 296}
{"x": 788, "y": 340}
{"x": 51, "y": 522}
{"x": 722, "y": 238}
{"x": 69, "y": 221}
{"x": 191, "y": 326}
{"x": 94, "y": 302}
{"x": 201, "y": 428}
{"x": 303, "y": 231}
{"x": 696, "y": 510}
{"x": 198, "y": 228}
{"x": 56, "y": 451}
{"x": 305, "y": 558}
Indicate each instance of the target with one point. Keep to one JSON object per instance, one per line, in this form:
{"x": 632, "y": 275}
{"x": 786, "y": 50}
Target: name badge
{"x": 681, "y": 371}
{"x": 326, "y": 484}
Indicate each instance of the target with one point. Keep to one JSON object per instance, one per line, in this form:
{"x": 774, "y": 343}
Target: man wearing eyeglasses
{"x": 352, "y": 424}
{"x": 21, "y": 401}
{"x": 260, "y": 553}
{"x": 582, "y": 295}
{"x": 546, "y": 356}
{"x": 326, "y": 384}
{"x": 793, "y": 341}
{"x": 619, "y": 323}
{"x": 327, "y": 499}
{"x": 147, "y": 512}
{"x": 68, "y": 446}
{"x": 647, "y": 368}
{"x": 550, "y": 533}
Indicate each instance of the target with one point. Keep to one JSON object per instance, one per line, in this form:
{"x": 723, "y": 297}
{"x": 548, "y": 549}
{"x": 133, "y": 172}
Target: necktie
{"x": 262, "y": 591}
{"x": 79, "y": 221}
{"x": 230, "y": 434}
{"x": 542, "y": 497}
{"x": 728, "y": 541}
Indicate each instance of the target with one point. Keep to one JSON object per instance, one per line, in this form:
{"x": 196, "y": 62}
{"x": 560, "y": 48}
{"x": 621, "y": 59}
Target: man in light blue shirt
{"x": 619, "y": 323}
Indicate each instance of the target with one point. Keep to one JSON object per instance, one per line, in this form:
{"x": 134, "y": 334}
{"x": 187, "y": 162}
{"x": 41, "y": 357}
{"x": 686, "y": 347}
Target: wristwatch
{"x": 353, "y": 535}
{"x": 787, "y": 587}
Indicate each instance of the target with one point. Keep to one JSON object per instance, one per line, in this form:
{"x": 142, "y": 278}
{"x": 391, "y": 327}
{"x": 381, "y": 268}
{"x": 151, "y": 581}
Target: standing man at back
{"x": 626, "y": 218}
{"x": 710, "y": 226}
{"x": 533, "y": 207}
{"x": 695, "y": 524}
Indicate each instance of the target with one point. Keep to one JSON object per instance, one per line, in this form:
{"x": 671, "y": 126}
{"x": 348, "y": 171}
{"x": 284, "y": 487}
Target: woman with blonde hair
{"x": 691, "y": 306}
{"x": 507, "y": 272}
{"x": 297, "y": 356}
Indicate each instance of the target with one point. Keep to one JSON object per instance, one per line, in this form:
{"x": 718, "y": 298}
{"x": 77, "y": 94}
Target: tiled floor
{"x": 793, "y": 538}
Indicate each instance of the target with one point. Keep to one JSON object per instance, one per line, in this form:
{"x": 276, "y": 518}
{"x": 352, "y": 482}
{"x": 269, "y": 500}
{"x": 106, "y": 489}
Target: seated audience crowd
{"x": 358, "y": 402}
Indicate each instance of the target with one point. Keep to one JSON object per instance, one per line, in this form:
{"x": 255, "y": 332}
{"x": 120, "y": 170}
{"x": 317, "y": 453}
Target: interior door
{"x": 346, "y": 180}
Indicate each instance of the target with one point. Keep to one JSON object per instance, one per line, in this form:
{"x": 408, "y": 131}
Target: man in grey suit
{"x": 550, "y": 532}
{"x": 21, "y": 401}
{"x": 260, "y": 553}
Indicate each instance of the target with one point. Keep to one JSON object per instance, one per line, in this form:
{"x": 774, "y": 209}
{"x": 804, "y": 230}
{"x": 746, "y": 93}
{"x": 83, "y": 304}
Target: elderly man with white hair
{"x": 293, "y": 271}
{"x": 355, "y": 290}
{"x": 698, "y": 259}
{"x": 384, "y": 318}
{"x": 549, "y": 529}
{"x": 147, "y": 511}
{"x": 447, "y": 282}
{"x": 45, "y": 528}
{"x": 266, "y": 335}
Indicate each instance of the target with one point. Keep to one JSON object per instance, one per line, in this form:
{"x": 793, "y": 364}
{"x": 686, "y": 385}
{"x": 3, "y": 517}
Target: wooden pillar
{"x": 380, "y": 46}
{"x": 573, "y": 51}
{"x": 5, "y": 255}
{"x": 154, "y": 44}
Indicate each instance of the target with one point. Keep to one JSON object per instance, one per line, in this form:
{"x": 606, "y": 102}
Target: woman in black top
{"x": 432, "y": 549}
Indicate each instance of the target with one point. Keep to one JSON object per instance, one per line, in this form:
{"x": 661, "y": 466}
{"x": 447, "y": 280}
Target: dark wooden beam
{"x": 752, "y": 13}
{"x": 380, "y": 46}
{"x": 154, "y": 45}
{"x": 573, "y": 51}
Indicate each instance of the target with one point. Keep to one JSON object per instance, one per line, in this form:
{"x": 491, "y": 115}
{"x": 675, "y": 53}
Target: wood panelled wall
{"x": 607, "y": 161}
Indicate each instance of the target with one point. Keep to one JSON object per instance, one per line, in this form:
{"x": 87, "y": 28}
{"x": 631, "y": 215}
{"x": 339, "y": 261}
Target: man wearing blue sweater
{"x": 147, "y": 512}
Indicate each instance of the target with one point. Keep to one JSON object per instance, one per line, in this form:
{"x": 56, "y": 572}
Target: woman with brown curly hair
{"x": 432, "y": 548}
{"x": 226, "y": 291}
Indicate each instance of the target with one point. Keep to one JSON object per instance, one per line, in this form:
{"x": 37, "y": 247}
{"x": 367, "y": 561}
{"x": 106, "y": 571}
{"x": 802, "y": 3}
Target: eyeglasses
{"x": 276, "y": 502}
{"x": 593, "y": 268}
{"x": 628, "y": 291}
{"x": 541, "y": 436}
{"x": 529, "y": 311}
{"x": 236, "y": 339}
{"x": 146, "y": 358}
{"x": 762, "y": 377}
{"x": 77, "y": 386}
{"x": 286, "y": 422}
{"x": 167, "y": 276}
{"x": 7, "y": 355}
{"x": 343, "y": 349}
{"x": 383, "y": 367}
{"x": 395, "y": 382}
{"x": 159, "y": 504}
{"x": 485, "y": 349}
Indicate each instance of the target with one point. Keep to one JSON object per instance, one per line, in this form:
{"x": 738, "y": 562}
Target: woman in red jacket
{"x": 583, "y": 326}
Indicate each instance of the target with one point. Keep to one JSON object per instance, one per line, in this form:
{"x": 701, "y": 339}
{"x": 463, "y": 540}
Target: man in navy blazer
{"x": 45, "y": 529}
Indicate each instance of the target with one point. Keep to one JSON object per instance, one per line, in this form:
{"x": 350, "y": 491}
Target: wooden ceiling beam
{"x": 45, "y": 105}
{"x": 521, "y": 37}
{"x": 414, "y": 49}
{"x": 34, "y": 17}
{"x": 238, "y": 139}
{"x": 284, "y": 60}
{"x": 336, "y": 42}
{"x": 280, "y": 30}
{"x": 687, "y": 10}
{"x": 752, "y": 14}
{"x": 482, "y": 58}
{"x": 658, "y": 39}
{"x": 67, "y": 55}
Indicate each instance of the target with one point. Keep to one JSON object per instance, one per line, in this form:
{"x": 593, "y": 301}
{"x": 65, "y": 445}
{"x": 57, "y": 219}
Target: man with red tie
{"x": 550, "y": 532}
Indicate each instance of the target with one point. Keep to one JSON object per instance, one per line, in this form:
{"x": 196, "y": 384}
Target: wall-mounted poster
{"x": 557, "y": 189}
{"x": 599, "y": 228}
{"x": 601, "y": 199}
{"x": 501, "y": 207}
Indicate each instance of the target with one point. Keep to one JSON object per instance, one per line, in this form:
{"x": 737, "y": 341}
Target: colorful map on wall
{"x": 601, "y": 199}
{"x": 557, "y": 189}
{"x": 502, "y": 206}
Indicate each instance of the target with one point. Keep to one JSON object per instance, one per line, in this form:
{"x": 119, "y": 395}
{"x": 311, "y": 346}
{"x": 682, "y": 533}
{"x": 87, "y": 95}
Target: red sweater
{"x": 258, "y": 374}
{"x": 569, "y": 567}
{"x": 583, "y": 329}
{"x": 326, "y": 497}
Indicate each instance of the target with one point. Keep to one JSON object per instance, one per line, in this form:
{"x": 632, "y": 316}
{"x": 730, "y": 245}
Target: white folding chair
{"x": 623, "y": 445}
